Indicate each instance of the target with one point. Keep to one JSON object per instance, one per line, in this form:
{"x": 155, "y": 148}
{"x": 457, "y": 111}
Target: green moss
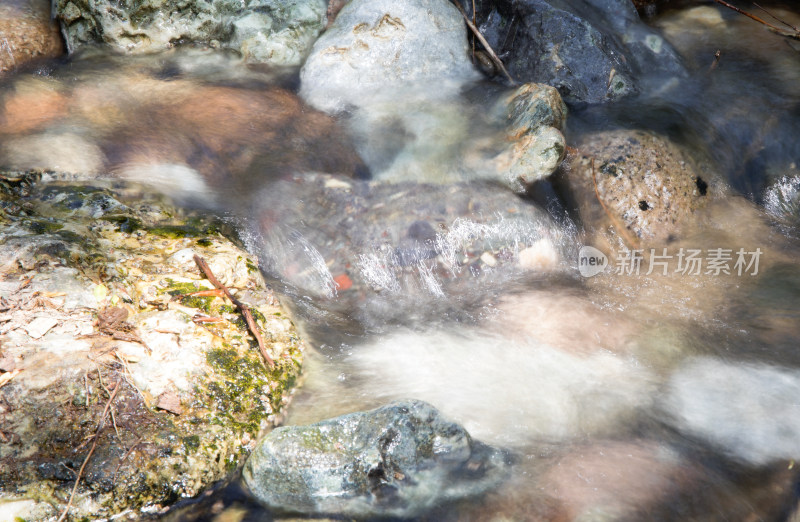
{"x": 258, "y": 316}
{"x": 227, "y": 309}
{"x": 204, "y": 242}
{"x": 191, "y": 443}
{"x": 251, "y": 267}
{"x": 175, "y": 231}
{"x": 125, "y": 224}
{"x": 242, "y": 380}
{"x": 70, "y": 236}
{"x": 42, "y": 226}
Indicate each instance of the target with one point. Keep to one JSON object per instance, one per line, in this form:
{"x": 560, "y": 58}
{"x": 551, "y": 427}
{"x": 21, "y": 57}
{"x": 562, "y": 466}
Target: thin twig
{"x": 100, "y": 425}
{"x": 248, "y": 316}
{"x": 778, "y": 30}
{"x": 127, "y": 454}
{"x": 784, "y": 22}
{"x": 483, "y": 42}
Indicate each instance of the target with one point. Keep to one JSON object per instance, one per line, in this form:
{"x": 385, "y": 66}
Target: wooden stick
{"x": 778, "y": 30}
{"x": 483, "y": 42}
{"x": 91, "y": 451}
{"x": 248, "y": 316}
{"x": 784, "y": 22}
{"x": 127, "y": 454}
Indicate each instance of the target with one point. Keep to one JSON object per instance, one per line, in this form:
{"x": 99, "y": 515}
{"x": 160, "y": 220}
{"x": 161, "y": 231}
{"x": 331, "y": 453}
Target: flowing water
{"x": 618, "y": 397}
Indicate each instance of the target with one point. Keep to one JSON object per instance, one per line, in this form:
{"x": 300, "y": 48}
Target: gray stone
{"x": 400, "y": 460}
{"x": 377, "y": 49}
{"x": 593, "y": 51}
{"x": 265, "y": 31}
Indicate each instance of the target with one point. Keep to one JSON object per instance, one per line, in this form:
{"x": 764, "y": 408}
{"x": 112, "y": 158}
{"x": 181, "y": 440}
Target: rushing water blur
{"x": 622, "y": 397}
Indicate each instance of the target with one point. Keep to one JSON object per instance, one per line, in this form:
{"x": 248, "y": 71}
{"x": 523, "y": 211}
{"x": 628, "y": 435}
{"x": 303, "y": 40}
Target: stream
{"x": 621, "y": 396}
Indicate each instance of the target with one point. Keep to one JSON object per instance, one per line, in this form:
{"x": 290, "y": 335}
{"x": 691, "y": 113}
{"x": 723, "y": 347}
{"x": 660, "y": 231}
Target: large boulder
{"x": 377, "y": 49}
{"x": 91, "y": 314}
{"x": 360, "y": 247}
{"x": 593, "y": 51}
{"x": 27, "y": 32}
{"x": 273, "y": 32}
{"x": 400, "y": 460}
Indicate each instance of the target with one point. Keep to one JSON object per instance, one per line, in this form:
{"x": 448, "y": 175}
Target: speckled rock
{"x": 27, "y": 32}
{"x": 636, "y": 184}
{"x": 92, "y": 279}
{"x": 278, "y": 33}
{"x": 400, "y": 460}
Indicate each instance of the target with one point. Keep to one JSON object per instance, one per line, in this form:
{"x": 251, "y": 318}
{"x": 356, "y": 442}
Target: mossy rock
{"x": 95, "y": 302}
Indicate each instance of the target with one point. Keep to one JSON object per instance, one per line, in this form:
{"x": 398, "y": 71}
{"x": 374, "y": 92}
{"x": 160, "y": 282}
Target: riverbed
{"x": 644, "y": 391}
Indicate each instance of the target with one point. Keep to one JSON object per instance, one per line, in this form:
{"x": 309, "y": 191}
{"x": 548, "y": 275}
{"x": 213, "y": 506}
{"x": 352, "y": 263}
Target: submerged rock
{"x": 27, "y": 32}
{"x": 197, "y": 125}
{"x": 592, "y": 51}
{"x": 535, "y": 118}
{"x": 273, "y": 32}
{"x": 92, "y": 278}
{"x": 748, "y": 410}
{"x": 638, "y": 184}
{"x": 400, "y": 460}
{"x": 361, "y": 245}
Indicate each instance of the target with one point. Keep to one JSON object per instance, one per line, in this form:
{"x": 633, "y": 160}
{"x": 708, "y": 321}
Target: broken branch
{"x": 793, "y": 34}
{"x": 484, "y": 43}
{"x": 248, "y": 315}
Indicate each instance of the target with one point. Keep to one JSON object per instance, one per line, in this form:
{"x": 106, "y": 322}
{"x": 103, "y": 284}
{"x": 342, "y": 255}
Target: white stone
{"x": 378, "y": 48}
{"x": 40, "y": 326}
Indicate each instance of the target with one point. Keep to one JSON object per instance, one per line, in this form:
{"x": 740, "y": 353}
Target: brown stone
{"x": 634, "y": 186}
{"x": 27, "y": 32}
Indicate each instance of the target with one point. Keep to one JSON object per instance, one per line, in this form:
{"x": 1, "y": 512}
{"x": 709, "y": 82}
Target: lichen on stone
{"x": 94, "y": 299}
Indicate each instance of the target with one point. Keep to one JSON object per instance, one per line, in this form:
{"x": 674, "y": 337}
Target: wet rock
{"x": 592, "y": 51}
{"x": 398, "y": 70}
{"x": 747, "y": 410}
{"x": 782, "y": 200}
{"x": 203, "y": 142}
{"x": 535, "y": 117}
{"x": 614, "y": 480}
{"x": 311, "y": 229}
{"x": 92, "y": 305}
{"x": 277, "y": 33}
{"x": 27, "y": 33}
{"x": 377, "y": 49}
{"x": 637, "y": 184}
{"x": 400, "y": 460}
